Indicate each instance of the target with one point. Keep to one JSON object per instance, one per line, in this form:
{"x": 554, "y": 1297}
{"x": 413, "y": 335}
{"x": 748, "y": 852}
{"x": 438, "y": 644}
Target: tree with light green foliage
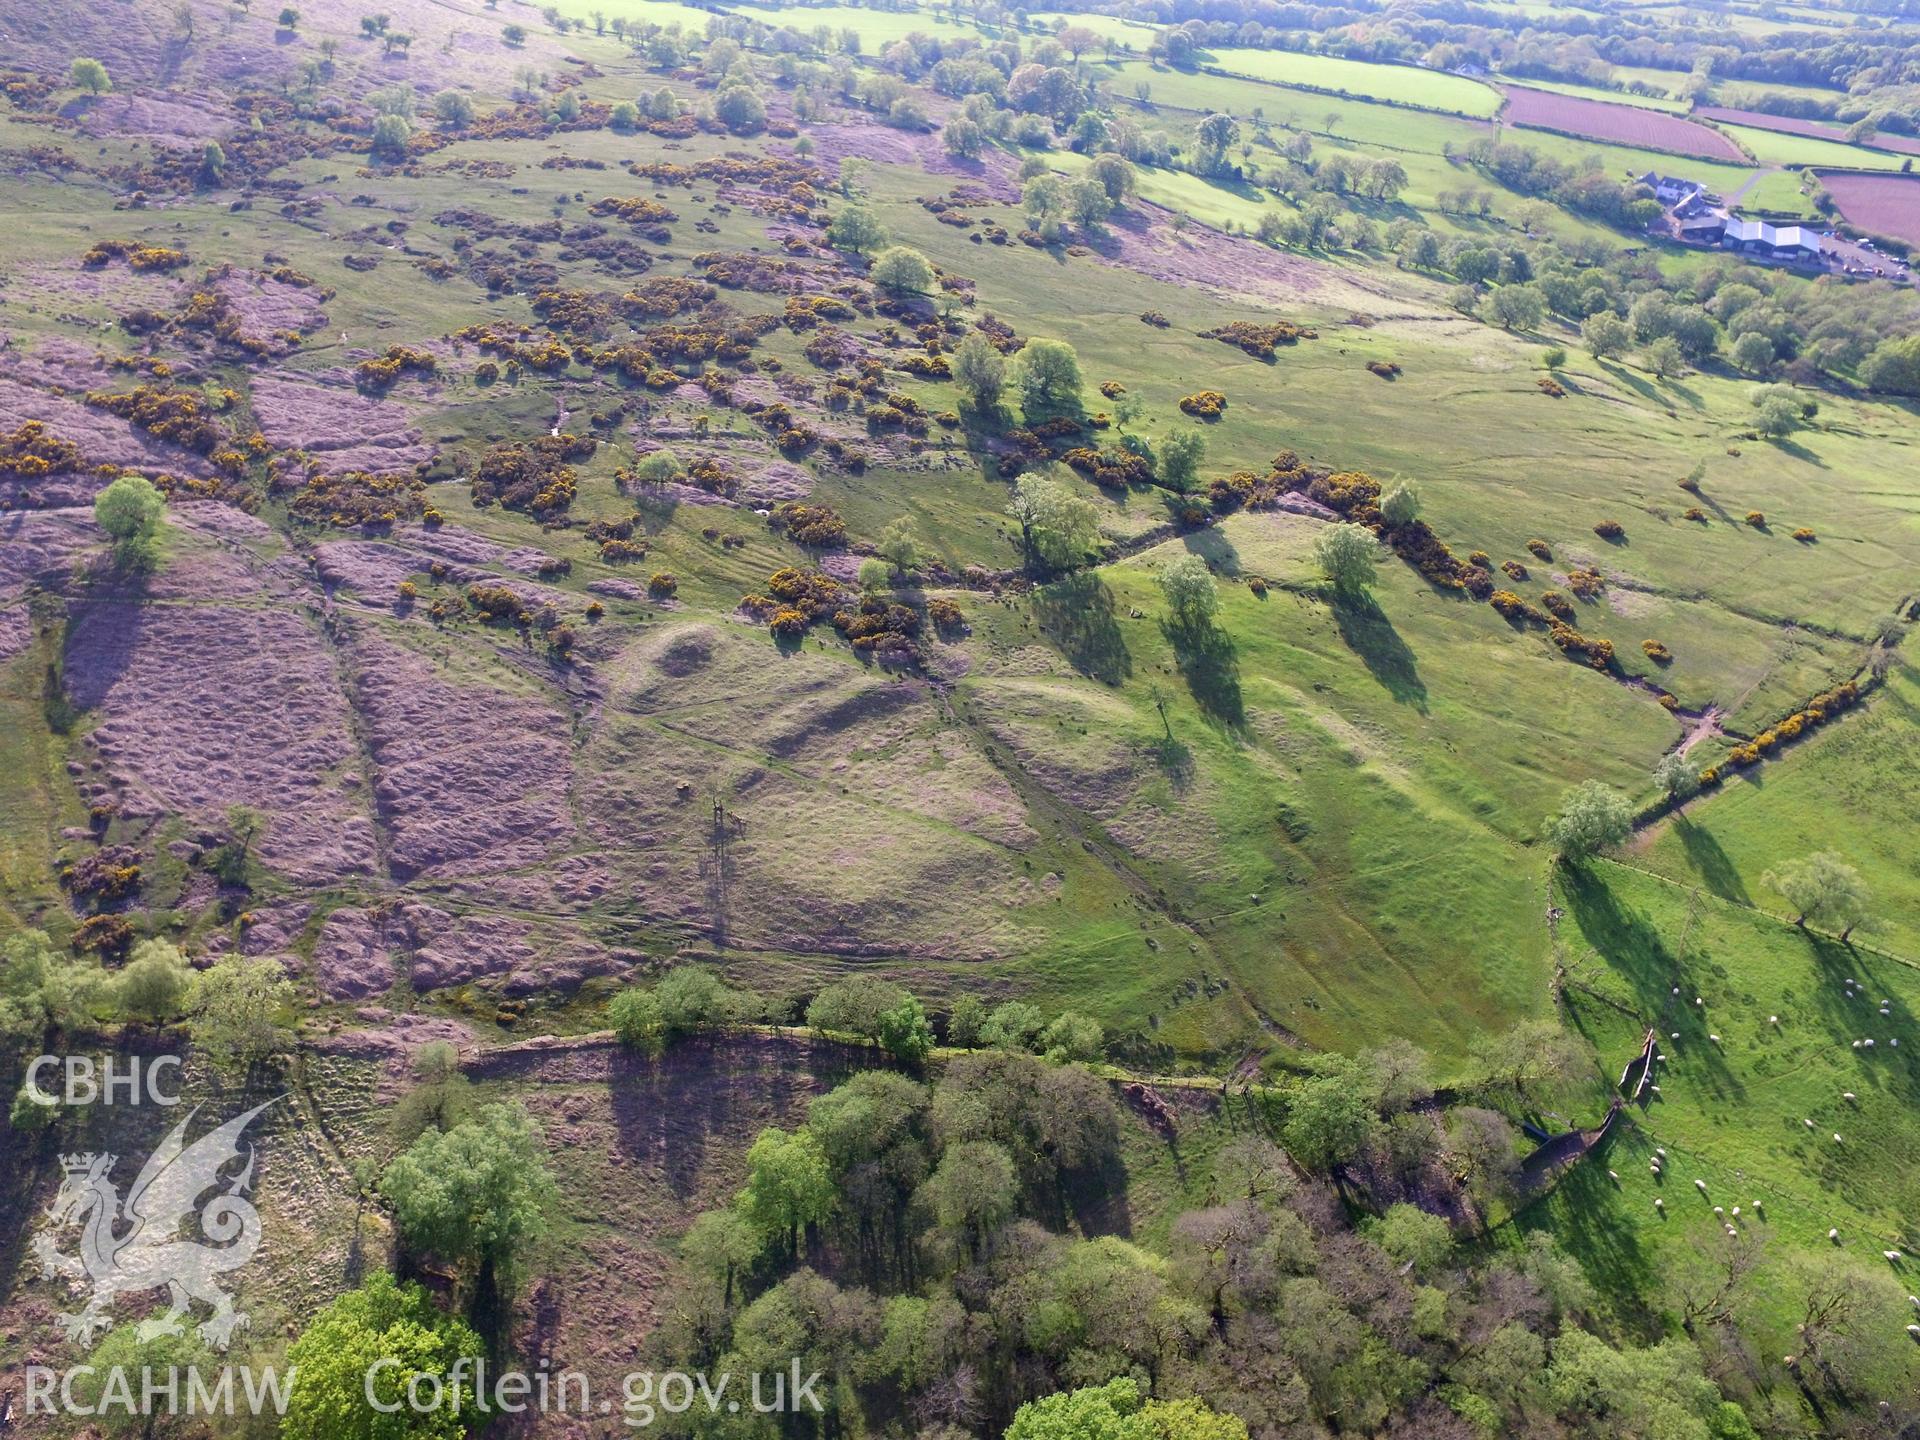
{"x": 153, "y": 986}
{"x": 1401, "y": 504}
{"x": 1088, "y": 204}
{"x": 391, "y": 134}
{"x": 1823, "y": 890}
{"x": 692, "y": 997}
{"x": 739, "y": 109}
{"x": 1047, "y": 374}
{"x": 658, "y": 468}
{"x": 901, "y": 273}
{"x": 1665, "y": 358}
{"x": 899, "y": 545}
{"x": 132, "y": 510}
{"x": 1593, "y": 817}
{"x": 1191, "y": 593}
{"x": 1332, "y": 1114}
{"x": 1114, "y": 1411}
{"x": 1753, "y": 352}
{"x": 342, "y": 1390}
{"x": 722, "y": 1245}
{"x": 475, "y": 1196}
{"x": 1606, "y": 335}
{"x": 971, "y": 1191}
{"x": 979, "y": 370}
{"x": 1346, "y": 554}
{"x": 1677, "y": 775}
{"x": 789, "y": 1186}
{"x": 965, "y": 1021}
{"x": 634, "y": 1015}
{"x": 43, "y": 988}
{"x": 1414, "y": 1237}
{"x": 1072, "y": 1037}
{"x": 1057, "y": 527}
{"x": 856, "y": 230}
{"x": 1180, "y": 456}
{"x": 124, "y": 1349}
{"x": 88, "y": 74}
{"x": 454, "y": 109}
{"x": 1778, "y": 412}
{"x": 1015, "y": 1025}
{"x": 1514, "y": 307}
{"x": 238, "y": 1008}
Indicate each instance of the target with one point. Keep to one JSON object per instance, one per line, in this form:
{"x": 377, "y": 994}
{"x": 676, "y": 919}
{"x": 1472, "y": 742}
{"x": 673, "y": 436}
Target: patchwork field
{"x": 1617, "y": 123}
{"x": 1881, "y": 205}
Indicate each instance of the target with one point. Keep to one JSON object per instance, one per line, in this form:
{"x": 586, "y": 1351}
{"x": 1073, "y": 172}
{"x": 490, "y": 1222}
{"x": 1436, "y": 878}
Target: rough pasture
{"x": 1884, "y": 204}
{"x": 1617, "y": 124}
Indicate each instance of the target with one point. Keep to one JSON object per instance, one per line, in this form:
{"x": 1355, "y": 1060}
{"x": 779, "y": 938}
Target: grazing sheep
{"x": 1846, "y": 1094}
{"x": 1714, "y": 1038}
{"x": 1773, "y": 1019}
{"x": 1701, "y": 1186}
{"x": 1834, "y": 1235}
{"x": 1914, "y": 1330}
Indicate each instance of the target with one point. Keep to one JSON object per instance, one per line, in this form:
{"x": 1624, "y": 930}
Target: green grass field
{"x": 1734, "y": 1113}
{"x": 1772, "y": 147}
{"x": 1408, "y": 85}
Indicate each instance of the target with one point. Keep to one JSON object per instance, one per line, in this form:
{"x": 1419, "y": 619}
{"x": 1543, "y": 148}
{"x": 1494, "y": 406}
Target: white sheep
{"x": 1714, "y": 1038}
{"x": 1846, "y": 1095}
{"x": 1893, "y": 1255}
{"x": 1658, "y": 1203}
{"x": 1773, "y": 1019}
{"x": 1834, "y": 1235}
{"x": 1836, "y": 1138}
{"x": 1701, "y": 1186}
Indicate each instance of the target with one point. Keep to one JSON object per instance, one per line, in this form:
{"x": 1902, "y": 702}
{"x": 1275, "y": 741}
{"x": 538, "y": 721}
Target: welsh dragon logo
{"x": 130, "y": 1247}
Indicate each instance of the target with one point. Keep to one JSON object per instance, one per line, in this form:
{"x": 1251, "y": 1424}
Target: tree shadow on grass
{"x": 1211, "y": 667}
{"x": 1076, "y": 616}
{"x": 1212, "y": 546}
{"x": 1621, "y": 375}
{"x": 1709, "y": 861}
{"x": 1630, "y": 944}
{"x": 1798, "y": 452}
{"x": 1584, "y": 1218}
{"x": 1370, "y": 635}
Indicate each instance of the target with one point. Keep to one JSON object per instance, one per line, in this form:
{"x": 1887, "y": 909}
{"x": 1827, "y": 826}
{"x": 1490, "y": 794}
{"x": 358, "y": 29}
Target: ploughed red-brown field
{"x": 1619, "y": 124}
{"x": 1884, "y": 204}
{"x": 1814, "y": 129}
